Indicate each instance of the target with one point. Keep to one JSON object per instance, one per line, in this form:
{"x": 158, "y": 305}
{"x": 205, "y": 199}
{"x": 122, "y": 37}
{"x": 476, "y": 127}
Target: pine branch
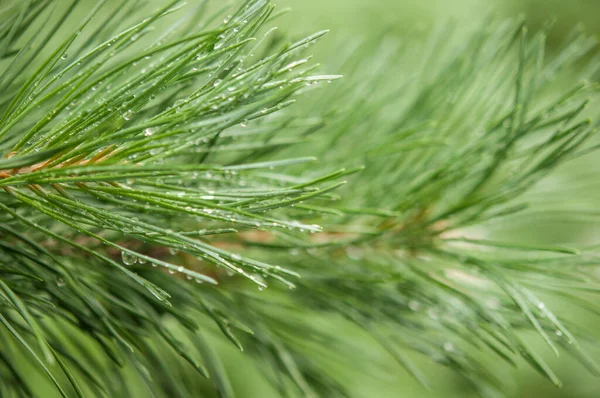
{"x": 143, "y": 153}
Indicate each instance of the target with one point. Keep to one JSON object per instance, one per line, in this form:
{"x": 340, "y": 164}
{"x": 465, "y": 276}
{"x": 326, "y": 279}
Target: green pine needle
{"x": 160, "y": 170}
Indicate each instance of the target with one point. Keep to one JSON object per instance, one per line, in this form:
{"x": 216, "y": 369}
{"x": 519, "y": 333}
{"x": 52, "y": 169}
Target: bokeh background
{"x": 360, "y": 19}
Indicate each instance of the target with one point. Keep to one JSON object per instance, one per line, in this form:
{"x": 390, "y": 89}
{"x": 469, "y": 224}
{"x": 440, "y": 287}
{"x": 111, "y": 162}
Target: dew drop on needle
{"x": 128, "y": 115}
{"x": 128, "y": 258}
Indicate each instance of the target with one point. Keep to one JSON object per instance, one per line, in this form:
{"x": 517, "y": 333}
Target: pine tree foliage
{"x": 160, "y": 170}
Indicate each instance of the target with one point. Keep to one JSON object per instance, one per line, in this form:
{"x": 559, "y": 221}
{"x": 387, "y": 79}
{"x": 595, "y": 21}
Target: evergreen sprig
{"x": 143, "y": 153}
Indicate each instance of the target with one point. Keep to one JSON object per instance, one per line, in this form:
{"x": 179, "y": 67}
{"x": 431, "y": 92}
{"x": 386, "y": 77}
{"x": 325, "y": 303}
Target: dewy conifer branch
{"x": 142, "y": 153}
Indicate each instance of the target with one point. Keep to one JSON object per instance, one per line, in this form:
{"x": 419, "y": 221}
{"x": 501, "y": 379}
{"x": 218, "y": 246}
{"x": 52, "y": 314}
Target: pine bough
{"x": 156, "y": 179}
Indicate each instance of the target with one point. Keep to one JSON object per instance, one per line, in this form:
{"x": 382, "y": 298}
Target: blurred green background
{"x": 354, "y": 19}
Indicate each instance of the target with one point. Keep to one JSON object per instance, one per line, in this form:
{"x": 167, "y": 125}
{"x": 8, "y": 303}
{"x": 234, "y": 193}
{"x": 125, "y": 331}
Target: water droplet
{"x": 236, "y": 257}
{"x": 142, "y": 260}
{"x": 414, "y": 305}
{"x": 60, "y": 282}
{"x": 448, "y": 346}
{"x": 128, "y": 258}
{"x": 128, "y": 115}
{"x": 64, "y": 56}
{"x": 148, "y": 132}
{"x": 180, "y": 269}
{"x": 541, "y": 306}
